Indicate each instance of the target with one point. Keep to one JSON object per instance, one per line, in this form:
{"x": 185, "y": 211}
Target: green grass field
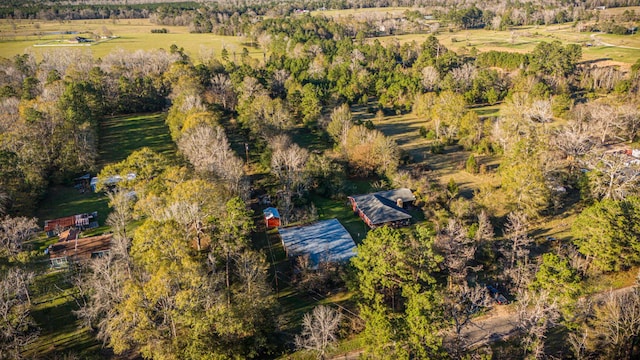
{"x": 53, "y": 295}
{"x": 62, "y": 201}
{"x": 60, "y": 332}
{"x": 119, "y": 137}
{"x": 344, "y": 13}
{"x": 122, "y": 135}
{"x": 132, "y": 35}
{"x": 524, "y": 39}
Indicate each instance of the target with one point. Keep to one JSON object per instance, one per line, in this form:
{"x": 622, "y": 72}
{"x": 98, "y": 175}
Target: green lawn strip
{"x": 53, "y": 298}
{"x": 312, "y": 140}
{"x": 61, "y": 201}
{"x": 487, "y": 111}
{"x": 119, "y": 137}
{"x": 339, "y": 209}
{"x": 60, "y": 331}
{"x": 122, "y": 135}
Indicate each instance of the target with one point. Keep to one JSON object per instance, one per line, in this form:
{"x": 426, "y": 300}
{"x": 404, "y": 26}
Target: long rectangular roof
{"x": 324, "y": 240}
{"x": 80, "y": 248}
{"x": 381, "y": 207}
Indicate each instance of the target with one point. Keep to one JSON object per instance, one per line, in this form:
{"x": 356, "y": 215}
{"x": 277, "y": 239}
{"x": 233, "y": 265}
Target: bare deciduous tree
{"x": 460, "y": 305}
{"x": 430, "y": 78}
{"x": 288, "y": 162}
{"x": 17, "y": 328}
{"x": 222, "y": 89}
{"x": 341, "y": 122}
{"x": 536, "y": 315}
{"x": 485, "y": 228}
{"x": 573, "y": 139}
{"x": 540, "y": 111}
{"x": 208, "y": 150}
{"x": 464, "y": 76}
{"x": 578, "y": 343}
{"x": 516, "y": 232}
{"x": 516, "y": 250}
{"x": 319, "y": 330}
{"x": 458, "y": 250}
{"x": 14, "y": 231}
{"x": 617, "y": 324}
{"x": 611, "y": 175}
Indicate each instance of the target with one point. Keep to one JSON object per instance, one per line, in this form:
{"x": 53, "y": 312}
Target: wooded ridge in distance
{"x": 293, "y": 180}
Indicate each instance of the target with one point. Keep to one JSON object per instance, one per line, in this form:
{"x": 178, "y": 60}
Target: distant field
{"x": 525, "y": 39}
{"x": 620, "y": 10}
{"x": 16, "y": 37}
{"x": 394, "y": 11}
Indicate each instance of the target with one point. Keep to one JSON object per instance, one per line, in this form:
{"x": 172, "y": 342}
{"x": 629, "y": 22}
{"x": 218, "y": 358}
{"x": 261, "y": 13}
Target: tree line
{"x": 188, "y": 283}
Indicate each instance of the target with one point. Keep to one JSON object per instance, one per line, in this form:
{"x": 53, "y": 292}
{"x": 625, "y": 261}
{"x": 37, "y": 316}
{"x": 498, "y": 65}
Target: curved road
{"x": 597, "y": 41}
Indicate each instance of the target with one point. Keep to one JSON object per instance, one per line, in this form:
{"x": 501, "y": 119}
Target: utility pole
{"x": 246, "y": 151}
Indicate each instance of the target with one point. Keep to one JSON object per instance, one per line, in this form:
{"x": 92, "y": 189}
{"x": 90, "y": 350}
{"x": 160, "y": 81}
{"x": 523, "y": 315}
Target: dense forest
{"x": 187, "y": 277}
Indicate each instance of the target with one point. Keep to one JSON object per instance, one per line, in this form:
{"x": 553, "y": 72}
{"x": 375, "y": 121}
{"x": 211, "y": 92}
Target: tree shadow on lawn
{"x": 450, "y": 161}
{"x": 60, "y": 330}
{"x": 62, "y": 201}
{"x": 122, "y": 135}
{"x": 311, "y": 139}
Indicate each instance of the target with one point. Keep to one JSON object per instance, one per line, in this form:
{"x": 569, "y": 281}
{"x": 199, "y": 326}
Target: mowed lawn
{"x": 119, "y": 137}
{"x": 60, "y": 332}
{"x": 524, "y": 39}
{"x": 53, "y": 295}
{"x": 122, "y": 135}
{"x": 132, "y": 35}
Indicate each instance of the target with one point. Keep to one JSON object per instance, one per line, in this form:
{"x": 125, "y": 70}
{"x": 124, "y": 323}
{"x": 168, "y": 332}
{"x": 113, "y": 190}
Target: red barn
{"x": 271, "y": 217}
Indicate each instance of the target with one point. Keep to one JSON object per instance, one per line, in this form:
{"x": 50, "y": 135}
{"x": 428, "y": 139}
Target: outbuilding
{"x": 384, "y": 207}
{"x": 271, "y": 217}
{"x": 80, "y": 221}
{"x": 323, "y": 241}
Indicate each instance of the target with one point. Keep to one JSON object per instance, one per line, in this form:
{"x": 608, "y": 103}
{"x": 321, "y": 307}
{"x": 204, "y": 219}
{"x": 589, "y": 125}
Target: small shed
{"x": 271, "y": 217}
{"x": 326, "y": 241}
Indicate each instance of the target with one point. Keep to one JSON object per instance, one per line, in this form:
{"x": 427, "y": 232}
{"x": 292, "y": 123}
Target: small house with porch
{"x": 384, "y": 207}
{"x": 271, "y": 217}
{"x": 71, "y": 248}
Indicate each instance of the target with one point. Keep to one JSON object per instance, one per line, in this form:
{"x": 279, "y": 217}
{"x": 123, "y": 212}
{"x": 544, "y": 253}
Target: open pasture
{"x": 345, "y": 13}
{"x": 619, "y": 10}
{"x": 16, "y": 37}
{"x": 524, "y": 39}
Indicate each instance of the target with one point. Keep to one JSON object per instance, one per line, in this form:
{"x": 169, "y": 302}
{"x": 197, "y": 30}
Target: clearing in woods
{"x": 525, "y": 38}
{"x": 131, "y": 34}
{"x": 53, "y": 294}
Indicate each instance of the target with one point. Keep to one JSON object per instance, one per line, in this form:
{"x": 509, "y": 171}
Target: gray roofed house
{"x": 324, "y": 240}
{"x": 384, "y": 207}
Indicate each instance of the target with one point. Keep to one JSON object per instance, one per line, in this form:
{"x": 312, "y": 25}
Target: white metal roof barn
{"x": 324, "y": 240}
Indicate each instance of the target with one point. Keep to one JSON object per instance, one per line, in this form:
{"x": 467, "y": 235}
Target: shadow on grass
{"x": 53, "y": 304}
{"x": 339, "y": 209}
{"x": 122, "y": 135}
{"x": 62, "y": 201}
{"x": 313, "y": 140}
